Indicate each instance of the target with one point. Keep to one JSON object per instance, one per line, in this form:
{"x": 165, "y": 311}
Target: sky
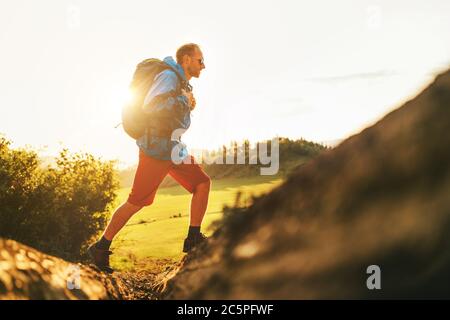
{"x": 319, "y": 70}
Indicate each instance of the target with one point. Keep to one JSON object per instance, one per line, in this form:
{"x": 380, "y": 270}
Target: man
{"x": 169, "y": 113}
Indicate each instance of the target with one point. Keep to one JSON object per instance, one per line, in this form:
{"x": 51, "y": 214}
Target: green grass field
{"x": 157, "y": 232}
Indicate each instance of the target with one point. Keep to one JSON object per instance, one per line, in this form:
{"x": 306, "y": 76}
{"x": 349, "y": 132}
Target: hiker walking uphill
{"x": 159, "y": 112}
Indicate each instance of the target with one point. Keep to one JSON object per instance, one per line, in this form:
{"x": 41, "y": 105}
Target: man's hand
{"x": 190, "y": 97}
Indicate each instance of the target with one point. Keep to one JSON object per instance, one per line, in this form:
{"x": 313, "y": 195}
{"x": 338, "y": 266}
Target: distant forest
{"x": 292, "y": 153}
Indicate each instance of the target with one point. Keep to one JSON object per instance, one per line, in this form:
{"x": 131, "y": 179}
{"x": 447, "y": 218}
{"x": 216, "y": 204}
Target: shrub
{"x": 59, "y": 208}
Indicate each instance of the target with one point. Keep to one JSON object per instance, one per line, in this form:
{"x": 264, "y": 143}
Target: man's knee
{"x": 204, "y": 186}
{"x": 133, "y": 207}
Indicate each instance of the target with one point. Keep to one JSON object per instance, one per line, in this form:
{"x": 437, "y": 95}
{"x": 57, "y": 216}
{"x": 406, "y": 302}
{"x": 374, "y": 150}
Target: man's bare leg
{"x": 199, "y": 203}
{"x": 119, "y": 219}
{"x": 99, "y": 251}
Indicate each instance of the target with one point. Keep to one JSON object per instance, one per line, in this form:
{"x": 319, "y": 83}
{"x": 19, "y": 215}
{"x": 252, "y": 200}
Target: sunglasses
{"x": 201, "y": 61}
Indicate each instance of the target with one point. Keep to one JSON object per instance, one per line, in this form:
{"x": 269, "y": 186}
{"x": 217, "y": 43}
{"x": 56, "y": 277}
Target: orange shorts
{"x": 151, "y": 172}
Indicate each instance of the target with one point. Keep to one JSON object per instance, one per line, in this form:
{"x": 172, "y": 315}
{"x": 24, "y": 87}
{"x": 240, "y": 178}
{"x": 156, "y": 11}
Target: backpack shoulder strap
{"x": 183, "y": 83}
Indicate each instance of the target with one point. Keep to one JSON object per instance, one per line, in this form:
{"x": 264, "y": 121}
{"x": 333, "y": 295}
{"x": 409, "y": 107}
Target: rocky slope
{"x": 26, "y": 273}
{"x": 381, "y": 197}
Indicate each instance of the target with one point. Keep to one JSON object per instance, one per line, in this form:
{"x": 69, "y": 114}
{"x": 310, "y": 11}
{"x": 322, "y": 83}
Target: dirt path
{"x": 148, "y": 283}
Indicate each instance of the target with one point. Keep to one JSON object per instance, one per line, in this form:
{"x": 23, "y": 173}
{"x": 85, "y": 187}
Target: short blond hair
{"x": 186, "y": 49}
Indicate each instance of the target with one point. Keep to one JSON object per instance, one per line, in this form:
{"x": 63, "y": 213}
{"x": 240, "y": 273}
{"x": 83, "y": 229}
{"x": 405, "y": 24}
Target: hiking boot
{"x": 100, "y": 258}
{"x": 191, "y": 242}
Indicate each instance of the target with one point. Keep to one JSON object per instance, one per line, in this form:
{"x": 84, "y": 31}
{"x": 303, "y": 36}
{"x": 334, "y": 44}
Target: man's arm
{"x": 158, "y": 98}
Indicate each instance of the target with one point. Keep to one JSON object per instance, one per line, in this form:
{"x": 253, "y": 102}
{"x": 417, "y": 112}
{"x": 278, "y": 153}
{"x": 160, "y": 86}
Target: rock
{"x": 26, "y": 273}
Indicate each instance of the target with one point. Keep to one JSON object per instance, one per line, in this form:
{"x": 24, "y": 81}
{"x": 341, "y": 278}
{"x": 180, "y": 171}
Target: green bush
{"x": 59, "y": 208}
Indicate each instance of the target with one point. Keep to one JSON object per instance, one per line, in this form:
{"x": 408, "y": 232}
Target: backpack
{"x": 134, "y": 120}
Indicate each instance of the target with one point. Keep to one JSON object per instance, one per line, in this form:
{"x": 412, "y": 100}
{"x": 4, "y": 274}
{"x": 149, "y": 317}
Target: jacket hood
{"x": 175, "y": 66}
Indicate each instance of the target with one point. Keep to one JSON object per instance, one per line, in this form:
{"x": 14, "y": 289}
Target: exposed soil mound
{"x": 381, "y": 197}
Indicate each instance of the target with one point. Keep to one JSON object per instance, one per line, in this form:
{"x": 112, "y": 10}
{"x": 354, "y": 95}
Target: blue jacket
{"x": 171, "y": 113}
